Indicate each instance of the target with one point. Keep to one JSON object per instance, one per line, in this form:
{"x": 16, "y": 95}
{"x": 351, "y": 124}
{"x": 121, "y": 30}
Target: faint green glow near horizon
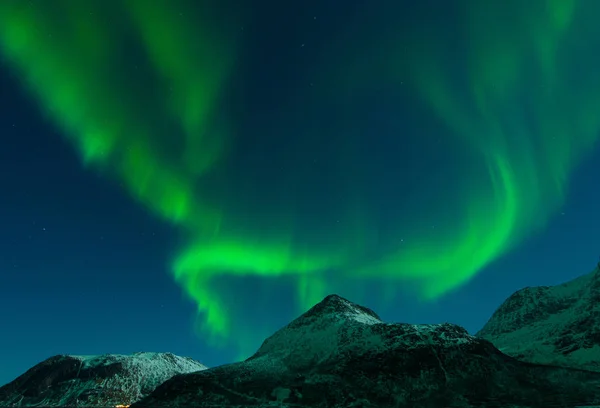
{"x": 526, "y": 113}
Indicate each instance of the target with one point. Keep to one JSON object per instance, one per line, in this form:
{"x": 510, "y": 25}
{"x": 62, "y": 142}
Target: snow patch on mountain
{"x": 156, "y": 364}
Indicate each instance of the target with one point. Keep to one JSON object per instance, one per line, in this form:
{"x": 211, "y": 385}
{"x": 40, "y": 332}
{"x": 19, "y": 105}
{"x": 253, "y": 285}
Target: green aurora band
{"x": 530, "y": 111}
{"x": 529, "y": 115}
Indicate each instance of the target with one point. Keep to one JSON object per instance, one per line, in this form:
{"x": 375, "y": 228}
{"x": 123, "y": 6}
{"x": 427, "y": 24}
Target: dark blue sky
{"x": 85, "y": 269}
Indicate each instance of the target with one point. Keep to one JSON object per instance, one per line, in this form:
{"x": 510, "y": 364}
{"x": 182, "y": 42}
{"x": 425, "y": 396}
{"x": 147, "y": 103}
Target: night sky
{"x": 188, "y": 176}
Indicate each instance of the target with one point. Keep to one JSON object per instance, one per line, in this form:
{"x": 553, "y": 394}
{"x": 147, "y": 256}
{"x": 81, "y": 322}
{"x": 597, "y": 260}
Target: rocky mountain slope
{"x": 551, "y": 324}
{"x": 98, "y": 381}
{"x": 341, "y": 355}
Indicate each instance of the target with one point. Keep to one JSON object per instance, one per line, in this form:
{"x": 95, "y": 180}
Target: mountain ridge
{"x": 104, "y": 380}
{"x": 557, "y": 325}
{"x": 340, "y": 355}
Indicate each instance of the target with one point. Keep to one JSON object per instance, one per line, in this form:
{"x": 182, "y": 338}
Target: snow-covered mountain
{"x": 551, "y": 324}
{"x": 341, "y": 355}
{"x": 94, "y": 381}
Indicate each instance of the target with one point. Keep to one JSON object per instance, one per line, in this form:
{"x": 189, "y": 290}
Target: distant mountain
{"x": 94, "y": 381}
{"x": 341, "y": 355}
{"x": 557, "y": 325}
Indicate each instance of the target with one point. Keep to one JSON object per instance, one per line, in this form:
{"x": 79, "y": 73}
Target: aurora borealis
{"x": 393, "y": 149}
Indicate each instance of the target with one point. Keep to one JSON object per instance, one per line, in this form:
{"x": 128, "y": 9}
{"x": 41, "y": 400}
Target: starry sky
{"x": 188, "y": 176}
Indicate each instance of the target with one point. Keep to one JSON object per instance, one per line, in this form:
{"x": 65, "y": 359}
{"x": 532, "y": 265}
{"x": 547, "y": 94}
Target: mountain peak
{"x": 336, "y": 306}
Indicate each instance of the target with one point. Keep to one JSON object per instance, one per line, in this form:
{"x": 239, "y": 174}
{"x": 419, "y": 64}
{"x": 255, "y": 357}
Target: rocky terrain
{"x": 341, "y": 355}
{"x": 557, "y": 325}
{"x": 97, "y": 381}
